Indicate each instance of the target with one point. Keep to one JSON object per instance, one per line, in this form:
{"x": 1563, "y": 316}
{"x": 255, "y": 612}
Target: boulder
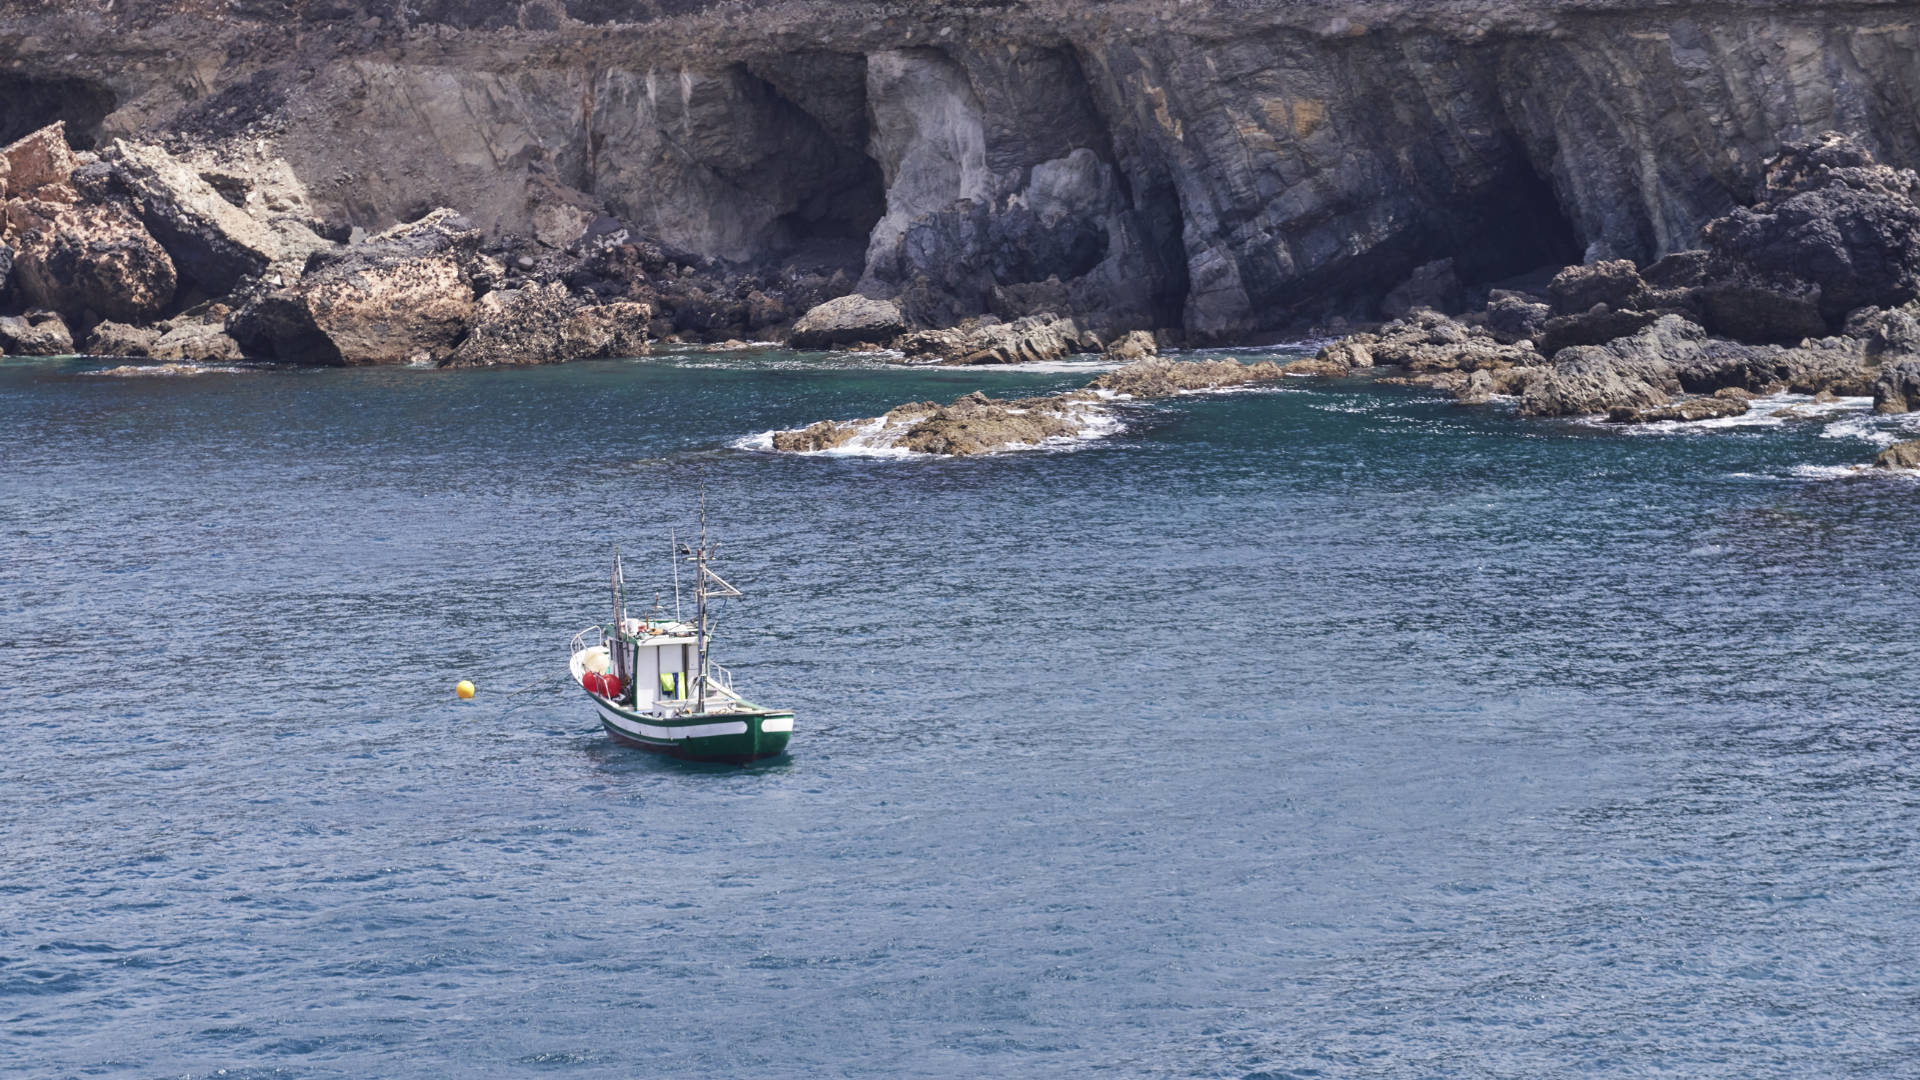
{"x": 404, "y": 296}
{"x": 89, "y": 260}
{"x": 214, "y": 243}
{"x": 1747, "y": 308}
{"x": 1315, "y": 368}
{"x": 1897, "y": 390}
{"x": 1833, "y": 226}
{"x": 37, "y": 333}
{"x": 1512, "y": 317}
{"x": 1904, "y": 455}
{"x": 1161, "y": 377}
{"x": 37, "y": 161}
{"x": 119, "y": 339}
{"x": 1636, "y": 371}
{"x": 1834, "y": 365}
{"x": 848, "y": 320}
{"x": 1478, "y": 390}
{"x": 1131, "y": 346}
{"x": 544, "y": 324}
{"x": 1888, "y": 333}
{"x": 1577, "y": 289}
{"x": 207, "y": 342}
{"x": 1680, "y": 270}
{"x": 1349, "y": 352}
{"x": 1688, "y": 411}
{"x": 1595, "y": 327}
{"x": 1034, "y": 339}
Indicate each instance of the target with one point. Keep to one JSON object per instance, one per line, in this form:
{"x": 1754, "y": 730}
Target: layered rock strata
{"x": 1217, "y": 168}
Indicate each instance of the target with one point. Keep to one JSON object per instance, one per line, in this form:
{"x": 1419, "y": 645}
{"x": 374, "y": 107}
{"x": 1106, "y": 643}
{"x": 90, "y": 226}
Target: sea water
{"x": 1326, "y": 730}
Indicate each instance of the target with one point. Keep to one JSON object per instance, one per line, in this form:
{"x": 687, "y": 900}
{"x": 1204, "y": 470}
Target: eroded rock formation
{"x": 1218, "y": 168}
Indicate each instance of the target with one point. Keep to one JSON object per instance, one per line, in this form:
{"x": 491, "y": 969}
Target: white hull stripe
{"x": 777, "y": 723}
{"x": 669, "y": 734}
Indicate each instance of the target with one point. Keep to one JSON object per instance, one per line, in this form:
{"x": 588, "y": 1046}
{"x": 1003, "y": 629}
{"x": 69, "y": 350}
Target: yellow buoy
{"x": 465, "y": 690}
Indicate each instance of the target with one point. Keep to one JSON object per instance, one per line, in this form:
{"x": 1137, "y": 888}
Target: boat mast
{"x": 700, "y": 606}
{"x": 619, "y": 645}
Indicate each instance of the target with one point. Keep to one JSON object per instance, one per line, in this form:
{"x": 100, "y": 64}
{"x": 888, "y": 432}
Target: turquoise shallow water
{"x": 1329, "y": 731}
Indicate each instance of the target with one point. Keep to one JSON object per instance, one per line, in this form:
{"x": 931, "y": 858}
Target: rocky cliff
{"x": 1219, "y": 166}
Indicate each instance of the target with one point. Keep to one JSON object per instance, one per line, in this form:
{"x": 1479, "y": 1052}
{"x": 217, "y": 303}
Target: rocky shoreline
{"x": 137, "y": 251}
{"x": 1814, "y": 290}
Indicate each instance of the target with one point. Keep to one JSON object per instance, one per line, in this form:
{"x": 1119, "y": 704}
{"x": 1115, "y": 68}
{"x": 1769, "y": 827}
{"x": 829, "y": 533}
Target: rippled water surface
{"x": 1327, "y": 731}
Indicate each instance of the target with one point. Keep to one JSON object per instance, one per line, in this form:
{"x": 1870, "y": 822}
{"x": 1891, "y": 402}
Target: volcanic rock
{"x": 119, "y": 339}
{"x": 1904, "y": 455}
{"x": 1897, "y": 390}
{"x": 1637, "y": 371}
{"x": 1688, "y": 411}
{"x": 404, "y": 296}
{"x": 545, "y": 324}
{"x": 214, "y": 243}
{"x": 1132, "y": 346}
{"x": 198, "y": 341}
{"x": 1033, "y": 339}
{"x": 1834, "y": 222}
{"x": 848, "y": 320}
{"x": 37, "y": 333}
{"x": 1512, "y": 317}
{"x": 87, "y": 260}
{"x": 1595, "y": 327}
{"x": 1577, "y": 289}
{"x": 36, "y": 161}
{"x": 1166, "y": 378}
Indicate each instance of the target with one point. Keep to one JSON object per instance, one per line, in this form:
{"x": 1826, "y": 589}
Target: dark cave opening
{"x": 1515, "y": 227}
{"x": 835, "y": 217}
{"x": 31, "y": 102}
{"x": 1157, "y": 206}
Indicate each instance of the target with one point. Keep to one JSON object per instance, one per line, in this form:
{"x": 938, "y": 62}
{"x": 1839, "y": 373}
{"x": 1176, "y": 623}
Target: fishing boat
{"x": 654, "y": 684}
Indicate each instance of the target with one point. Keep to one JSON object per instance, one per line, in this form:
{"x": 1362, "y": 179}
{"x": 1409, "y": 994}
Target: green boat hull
{"x": 743, "y": 735}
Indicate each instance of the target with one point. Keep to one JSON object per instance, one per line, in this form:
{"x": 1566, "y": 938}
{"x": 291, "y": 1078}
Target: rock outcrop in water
{"x": 977, "y": 424}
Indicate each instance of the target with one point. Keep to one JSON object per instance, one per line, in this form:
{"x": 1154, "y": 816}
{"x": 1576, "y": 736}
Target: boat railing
{"x": 582, "y": 641}
{"x": 720, "y": 676}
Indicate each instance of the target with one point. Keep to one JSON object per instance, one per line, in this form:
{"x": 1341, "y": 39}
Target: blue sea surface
{"x": 1330, "y": 730}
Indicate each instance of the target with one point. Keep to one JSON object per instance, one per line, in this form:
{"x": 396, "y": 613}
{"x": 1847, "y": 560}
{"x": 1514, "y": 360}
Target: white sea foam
{"x": 876, "y": 439}
{"x": 1837, "y": 472}
{"x": 132, "y": 371}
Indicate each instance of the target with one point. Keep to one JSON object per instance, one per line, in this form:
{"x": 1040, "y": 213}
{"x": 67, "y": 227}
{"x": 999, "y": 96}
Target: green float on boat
{"x": 654, "y": 685}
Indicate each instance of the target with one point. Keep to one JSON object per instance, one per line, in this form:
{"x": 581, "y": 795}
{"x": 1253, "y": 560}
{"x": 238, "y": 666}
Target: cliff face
{"x": 1223, "y": 167}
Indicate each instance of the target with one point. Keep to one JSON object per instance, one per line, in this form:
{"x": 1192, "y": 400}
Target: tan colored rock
{"x": 1691, "y": 410}
{"x": 37, "y": 333}
{"x": 1350, "y": 352}
{"x": 846, "y": 320}
{"x": 825, "y": 435}
{"x": 1165, "y": 378}
{"x": 544, "y": 324}
{"x": 1131, "y": 346}
{"x": 1329, "y": 369}
{"x": 119, "y": 339}
{"x": 214, "y": 243}
{"x": 1904, "y": 455}
{"x": 202, "y": 341}
{"x": 91, "y": 258}
{"x": 37, "y": 161}
{"x": 1033, "y": 339}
